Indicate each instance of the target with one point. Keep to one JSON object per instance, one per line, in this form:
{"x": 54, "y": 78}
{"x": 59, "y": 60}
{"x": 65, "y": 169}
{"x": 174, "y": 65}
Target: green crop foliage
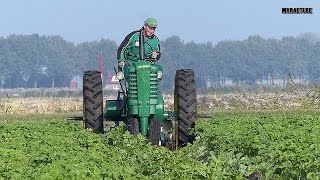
{"x": 278, "y": 145}
{"x": 233, "y": 145}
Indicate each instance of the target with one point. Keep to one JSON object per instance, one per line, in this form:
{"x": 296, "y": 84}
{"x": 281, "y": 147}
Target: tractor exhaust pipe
{"x": 141, "y": 45}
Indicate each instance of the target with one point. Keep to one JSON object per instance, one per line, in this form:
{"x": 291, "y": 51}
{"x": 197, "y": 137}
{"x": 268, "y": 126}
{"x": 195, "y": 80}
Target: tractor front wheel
{"x": 93, "y": 101}
{"x": 185, "y": 104}
{"x": 133, "y": 126}
{"x": 154, "y": 132}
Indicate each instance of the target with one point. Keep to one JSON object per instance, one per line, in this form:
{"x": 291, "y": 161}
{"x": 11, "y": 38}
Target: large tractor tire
{"x": 185, "y": 105}
{"x": 93, "y": 101}
{"x": 133, "y": 126}
{"x": 154, "y": 131}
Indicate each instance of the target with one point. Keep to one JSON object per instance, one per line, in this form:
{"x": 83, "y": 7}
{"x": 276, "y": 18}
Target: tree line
{"x": 28, "y": 61}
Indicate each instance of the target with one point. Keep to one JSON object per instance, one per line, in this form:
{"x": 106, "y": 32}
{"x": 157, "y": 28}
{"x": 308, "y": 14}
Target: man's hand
{"x": 154, "y": 55}
{"x": 120, "y": 64}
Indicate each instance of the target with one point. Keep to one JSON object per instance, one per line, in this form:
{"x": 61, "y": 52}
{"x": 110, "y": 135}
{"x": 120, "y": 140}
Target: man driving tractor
{"x": 128, "y": 51}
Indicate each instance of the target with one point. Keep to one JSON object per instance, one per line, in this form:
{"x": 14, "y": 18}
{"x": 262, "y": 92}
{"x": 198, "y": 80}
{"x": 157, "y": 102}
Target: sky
{"x": 200, "y": 21}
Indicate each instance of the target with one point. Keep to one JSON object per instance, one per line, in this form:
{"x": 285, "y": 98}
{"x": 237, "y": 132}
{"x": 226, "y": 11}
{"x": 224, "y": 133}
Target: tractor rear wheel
{"x": 185, "y": 104}
{"x": 93, "y": 101}
{"x": 154, "y": 132}
{"x": 133, "y": 126}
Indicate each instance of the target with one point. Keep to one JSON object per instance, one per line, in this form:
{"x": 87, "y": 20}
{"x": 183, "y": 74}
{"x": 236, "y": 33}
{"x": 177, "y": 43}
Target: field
{"x": 66, "y": 101}
{"x": 275, "y": 136}
{"x": 233, "y": 145}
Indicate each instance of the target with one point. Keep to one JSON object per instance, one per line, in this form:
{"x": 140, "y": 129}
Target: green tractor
{"x": 140, "y": 105}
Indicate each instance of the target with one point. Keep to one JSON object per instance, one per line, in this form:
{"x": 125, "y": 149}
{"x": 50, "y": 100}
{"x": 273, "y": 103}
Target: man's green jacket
{"x": 129, "y": 48}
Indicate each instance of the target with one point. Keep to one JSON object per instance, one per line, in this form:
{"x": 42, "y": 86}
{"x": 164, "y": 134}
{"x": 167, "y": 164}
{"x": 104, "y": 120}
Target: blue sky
{"x": 199, "y": 21}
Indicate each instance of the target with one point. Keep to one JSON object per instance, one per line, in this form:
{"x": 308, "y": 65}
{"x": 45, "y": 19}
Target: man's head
{"x": 150, "y": 26}
{"x": 151, "y": 22}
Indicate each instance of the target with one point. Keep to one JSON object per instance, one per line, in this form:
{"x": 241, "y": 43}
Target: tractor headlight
{"x": 159, "y": 74}
{"x": 120, "y": 75}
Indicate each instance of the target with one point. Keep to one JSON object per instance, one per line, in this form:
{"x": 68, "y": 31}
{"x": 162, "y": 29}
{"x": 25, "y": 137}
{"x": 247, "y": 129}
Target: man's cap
{"x": 151, "y": 22}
